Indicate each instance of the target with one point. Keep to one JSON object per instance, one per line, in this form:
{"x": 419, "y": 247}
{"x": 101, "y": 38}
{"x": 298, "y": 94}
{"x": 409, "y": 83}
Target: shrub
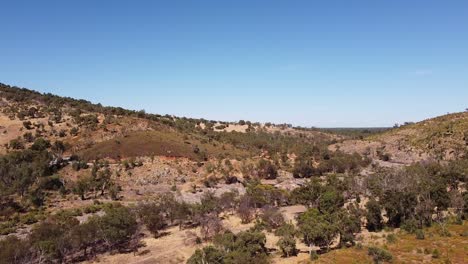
{"x": 117, "y": 226}
{"x": 286, "y": 230}
{"x": 14, "y": 250}
{"x": 410, "y": 226}
{"x": 151, "y": 216}
{"x": 266, "y": 170}
{"x": 27, "y": 125}
{"x": 16, "y": 144}
{"x": 28, "y": 136}
{"x": 436, "y": 254}
{"x": 245, "y": 210}
{"x": 272, "y": 217}
{"x": 74, "y": 131}
{"x": 303, "y": 169}
{"x": 210, "y": 225}
{"x": 40, "y": 144}
{"x": 391, "y": 238}
{"x": 420, "y": 234}
{"x": 313, "y": 255}
{"x": 374, "y": 216}
{"x": 207, "y": 254}
{"x": 317, "y": 228}
{"x": 245, "y": 247}
{"x": 379, "y": 255}
{"x": 78, "y": 165}
{"x": 287, "y": 245}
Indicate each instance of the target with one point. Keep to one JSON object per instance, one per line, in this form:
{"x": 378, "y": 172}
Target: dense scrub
{"x": 61, "y": 238}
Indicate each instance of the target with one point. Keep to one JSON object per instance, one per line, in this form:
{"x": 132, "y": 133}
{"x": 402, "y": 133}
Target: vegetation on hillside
{"x": 73, "y": 150}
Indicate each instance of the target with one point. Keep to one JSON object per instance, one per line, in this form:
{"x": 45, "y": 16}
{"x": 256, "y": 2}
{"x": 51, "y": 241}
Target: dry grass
{"x": 157, "y": 143}
{"x": 408, "y": 249}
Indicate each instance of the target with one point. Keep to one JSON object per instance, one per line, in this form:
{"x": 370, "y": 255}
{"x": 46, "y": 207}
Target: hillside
{"x": 81, "y": 125}
{"x": 440, "y": 138}
{"x": 82, "y": 182}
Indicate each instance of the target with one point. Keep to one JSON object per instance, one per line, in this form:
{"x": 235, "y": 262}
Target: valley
{"x": 82, "y": 182}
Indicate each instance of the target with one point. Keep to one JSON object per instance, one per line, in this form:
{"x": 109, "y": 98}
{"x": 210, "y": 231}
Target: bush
{"x": 287, "y": 245}
{"x": 74, "y": 131}
{"x": 379, "y": 255}
{"x": 374, "y": 216}
{"x": 117, "y": 226}
{"x": 245, "y": 210}
{"x": 40, "y": 144}
{"x": 27, "y": 125}
{"x": 266, "y": 170}
{"x": 420, "y": 234}
{"x": 436, "y": 254}
{"x": 303, "y": 169}
{"x": 313, "y": 255}
{"x": 151, "y": 215}
{"x": 391, "y": 238}
{"x": 245, "y": 247}
{"x": 78, "y": 165}
{"x": 286, "y": 230}
{"x": 207, "y": 254}
{"x": 410, "y": 226}
{"x": 14, "y": 250}
{"x": 16, "y": 144}
{"x": 272, "y": 217}
{"x": 210, "y": 225}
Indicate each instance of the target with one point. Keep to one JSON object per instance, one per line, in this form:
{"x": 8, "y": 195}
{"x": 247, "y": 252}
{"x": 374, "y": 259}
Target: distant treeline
{"x": 355, "y": 132}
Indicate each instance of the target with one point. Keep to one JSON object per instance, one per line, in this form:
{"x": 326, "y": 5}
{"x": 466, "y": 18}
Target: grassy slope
{"x": 408, "y": 249}
{"x": 436, "y": 135}
{"x": 157, "y": 143}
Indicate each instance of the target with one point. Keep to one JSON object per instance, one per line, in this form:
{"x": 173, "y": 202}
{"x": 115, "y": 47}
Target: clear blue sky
{"x": 311, "y": 63}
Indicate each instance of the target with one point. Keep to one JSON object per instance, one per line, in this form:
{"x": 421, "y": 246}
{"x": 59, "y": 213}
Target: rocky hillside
{"x": 440, "y": 138}
{"x": 94, "y": 131}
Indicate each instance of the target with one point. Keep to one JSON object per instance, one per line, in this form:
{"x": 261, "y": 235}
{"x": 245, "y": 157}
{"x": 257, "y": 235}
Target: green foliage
{"x": 317, "y": 228}
{"x": 286, "y": 229}
{"x": 47, "y": 237}
{"x": 374, "y": 216}
{"x": 379, "y": 255}
{"x": 245, "y": 247}
{"x": 327, "y": 198}
{"x": 420, "y": 234}
{"x": 40, "y": 144}
{"x": 411, "y": 196}
{"x": 287, "y": 245}
{"x": 14, "y": 251}
{"x": 410, "y": 226}
{"x": 79, "y": 165}
{"x": 98, "y": 182}
{"x": 349, "y": 224}
{"x": 61, "y": 238}
{"x": 391, "y": 238}
{"x": 207, "y": 254}
{"x": 151, "y": 216}
{"x": 271, "y": 217}
{"x": 303, "y": 168}
{"x": 264, "y": 194}
{"x": 117, "y": 225}
{"x": 266, "y": 170}
{"x": 20, "y": 169}
{"x": 16, "y": 144}
{"x": 313, "y": 255}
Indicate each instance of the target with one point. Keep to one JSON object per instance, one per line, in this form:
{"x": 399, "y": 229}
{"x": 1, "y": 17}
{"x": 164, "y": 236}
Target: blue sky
{"x": 310, "y": 63}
